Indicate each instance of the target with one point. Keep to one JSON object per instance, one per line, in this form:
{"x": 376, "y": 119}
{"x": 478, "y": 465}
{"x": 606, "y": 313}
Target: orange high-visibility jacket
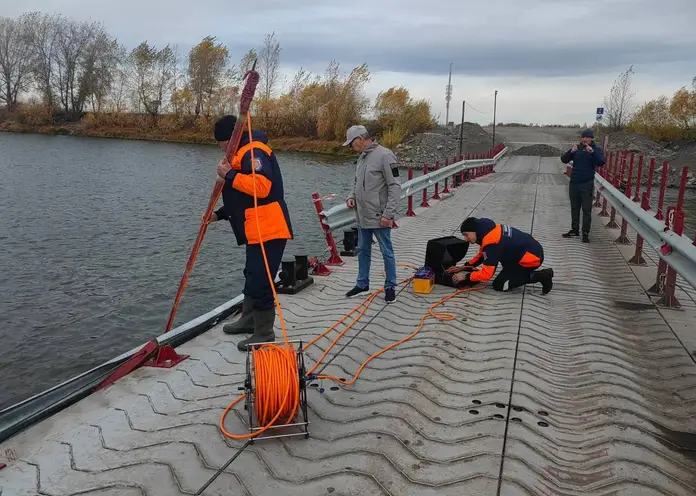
{"x": 238, "y": 199}
{"x": 504, "y": 244}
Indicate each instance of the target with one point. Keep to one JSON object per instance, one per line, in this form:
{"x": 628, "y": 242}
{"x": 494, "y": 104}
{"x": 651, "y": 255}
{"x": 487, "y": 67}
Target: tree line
{"x": 662, "y": 119}
{"x": 56, "y": 70}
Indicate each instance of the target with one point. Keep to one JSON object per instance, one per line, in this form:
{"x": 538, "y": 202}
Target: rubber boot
{"x": 245, "y": 323}
{"x": 263, "y": 328}
{"x": 545, "y": 277}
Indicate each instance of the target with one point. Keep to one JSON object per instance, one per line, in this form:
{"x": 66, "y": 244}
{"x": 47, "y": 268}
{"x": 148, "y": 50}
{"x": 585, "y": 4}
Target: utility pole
{"x": 461, "y": 129}
{"x": 448, "y": 95}
{"x": 495, "y": 105}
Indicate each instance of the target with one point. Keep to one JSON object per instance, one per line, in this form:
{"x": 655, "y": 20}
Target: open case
{"x": 443, "y": 253}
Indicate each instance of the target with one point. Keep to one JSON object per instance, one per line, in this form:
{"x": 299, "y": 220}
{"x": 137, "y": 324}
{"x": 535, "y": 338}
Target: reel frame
{"x": 301, "y": 427}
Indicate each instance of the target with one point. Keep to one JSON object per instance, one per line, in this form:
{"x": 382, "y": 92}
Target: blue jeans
{"x": 383, "y": 235}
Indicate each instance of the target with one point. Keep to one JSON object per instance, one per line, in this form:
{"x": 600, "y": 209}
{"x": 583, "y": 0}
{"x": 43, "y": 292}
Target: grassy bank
{"x": 290, "y": 143}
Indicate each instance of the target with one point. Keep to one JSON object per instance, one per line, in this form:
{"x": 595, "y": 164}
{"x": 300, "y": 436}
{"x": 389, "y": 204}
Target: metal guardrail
{"x": 40, "y": 406}
{"x": 340, "y": 216}
{"x": 676, "y": 250}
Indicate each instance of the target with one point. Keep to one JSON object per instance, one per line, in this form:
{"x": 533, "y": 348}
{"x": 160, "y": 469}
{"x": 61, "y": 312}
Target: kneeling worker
{"x": 518, "y": 252}
{"x": 258, "y": 309}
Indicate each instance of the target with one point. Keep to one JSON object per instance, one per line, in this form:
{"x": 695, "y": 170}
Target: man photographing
{"x": 586, "y": 157}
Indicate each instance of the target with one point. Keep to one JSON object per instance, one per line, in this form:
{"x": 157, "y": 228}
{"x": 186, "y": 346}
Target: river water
{"x": 95, "y": 235}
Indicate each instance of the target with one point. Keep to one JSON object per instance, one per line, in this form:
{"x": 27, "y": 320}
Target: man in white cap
{"x": 375, "y": 197}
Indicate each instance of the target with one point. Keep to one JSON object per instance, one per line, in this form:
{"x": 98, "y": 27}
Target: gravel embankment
{"x": 438, "y": 145}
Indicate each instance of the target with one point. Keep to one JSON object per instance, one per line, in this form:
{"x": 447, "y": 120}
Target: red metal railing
{"x": 335, "y": 258}
{"x": 674, "y": 216}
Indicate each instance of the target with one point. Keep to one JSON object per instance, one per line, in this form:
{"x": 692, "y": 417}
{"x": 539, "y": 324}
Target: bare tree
{"x": 269, "y": 66}
{"x": 74, "y": 65}
{"x": 42, "y": 37}
{"x": 100, "y": 69}
{"x": 245, "y": 64}
{"x": 206, "y": 66}
{"x": 153, "y": 73}
{"x": 618, "y": 107}
{"x": 15, "y": 62}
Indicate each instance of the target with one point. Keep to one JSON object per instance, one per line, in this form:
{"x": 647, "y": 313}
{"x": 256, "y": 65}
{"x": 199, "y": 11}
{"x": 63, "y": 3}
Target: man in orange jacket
{"x": 258, "y": 309}
{"x": 518, "y": 252}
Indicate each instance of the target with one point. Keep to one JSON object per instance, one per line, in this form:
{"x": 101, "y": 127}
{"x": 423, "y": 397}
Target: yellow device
{"x": 424, "y": 281}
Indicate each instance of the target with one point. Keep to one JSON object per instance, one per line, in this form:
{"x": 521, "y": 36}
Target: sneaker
{"x": 356, "y": 290}
{"x": 585, "y": 238}
{"x": 389, "y": 294}
{"x": 570, "y": 234}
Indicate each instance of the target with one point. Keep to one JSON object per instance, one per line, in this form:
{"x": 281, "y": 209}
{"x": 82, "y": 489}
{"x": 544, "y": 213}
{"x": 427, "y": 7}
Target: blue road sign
{"x": 600, "y": 110}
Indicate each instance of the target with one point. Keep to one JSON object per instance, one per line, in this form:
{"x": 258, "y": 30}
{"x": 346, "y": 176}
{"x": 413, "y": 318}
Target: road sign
{"x": 599, "y": 117}
{"x": 600, "y": 110}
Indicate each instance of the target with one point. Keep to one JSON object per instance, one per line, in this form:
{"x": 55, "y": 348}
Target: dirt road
{"x": 517, "y": 137}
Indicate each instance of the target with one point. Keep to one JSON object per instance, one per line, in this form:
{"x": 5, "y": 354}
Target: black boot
{"x": 245, "y": 323}
{"x": 571, "y": 234}
{"x": 545, "y": 277}
{"x": 263, "y": 328}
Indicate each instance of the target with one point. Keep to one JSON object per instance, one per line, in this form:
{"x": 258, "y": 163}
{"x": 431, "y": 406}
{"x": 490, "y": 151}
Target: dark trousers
{"x": 515, "y": 275}
{"x": 256, "y": 283}
{"x": 581, "y": 197}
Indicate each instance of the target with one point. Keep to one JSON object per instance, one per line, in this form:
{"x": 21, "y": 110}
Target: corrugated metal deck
{"x": 587, "y": 390}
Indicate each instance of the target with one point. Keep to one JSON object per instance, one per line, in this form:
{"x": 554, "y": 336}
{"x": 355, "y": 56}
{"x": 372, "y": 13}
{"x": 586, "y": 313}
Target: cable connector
{"x": 312, "y": 377}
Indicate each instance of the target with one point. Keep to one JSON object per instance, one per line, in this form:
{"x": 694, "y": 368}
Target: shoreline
{"x": 282, "y": 144}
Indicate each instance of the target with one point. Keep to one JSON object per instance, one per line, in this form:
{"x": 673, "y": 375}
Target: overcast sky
{"x": 550, "y": 60}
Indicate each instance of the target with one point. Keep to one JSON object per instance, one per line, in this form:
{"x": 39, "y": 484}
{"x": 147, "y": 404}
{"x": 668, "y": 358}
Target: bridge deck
{"x": 587, "y": 390}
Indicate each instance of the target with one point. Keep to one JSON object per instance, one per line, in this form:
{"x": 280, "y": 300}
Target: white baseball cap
{"x": 354, "y": 132}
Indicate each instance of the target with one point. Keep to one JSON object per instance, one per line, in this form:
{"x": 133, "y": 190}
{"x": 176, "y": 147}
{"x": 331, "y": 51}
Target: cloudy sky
{"x": 552, "y": 61}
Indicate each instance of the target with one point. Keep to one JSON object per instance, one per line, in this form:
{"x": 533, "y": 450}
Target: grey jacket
{"x": 376, "y": 191}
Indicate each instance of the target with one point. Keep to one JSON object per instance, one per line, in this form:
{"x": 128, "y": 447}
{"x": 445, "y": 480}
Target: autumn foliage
{"x": 665, "y": 119}
{"x": 155, "y": 92}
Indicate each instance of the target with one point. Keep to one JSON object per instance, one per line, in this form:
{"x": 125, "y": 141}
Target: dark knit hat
{"x": 224, "y": 127}
{"x": 469, "y": 225}
{"x": 587, "y": 133}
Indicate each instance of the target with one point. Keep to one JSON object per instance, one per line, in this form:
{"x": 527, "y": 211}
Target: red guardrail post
{"x": 623, "y": 237}
{"x": 614, "y": 167}
{"x": 663, "y": 184}
{"x": 682, "y": 188}
{"x": 335, "y": 258}
{"x": 436, "y": 196}
{"x": 607, "y": 176}
{"x": 424, "y": 203}
{"x": 637, "y": 258}
{"x": 597, "y": 203}
{"x": 639, "y": 178}
{"x": 649, "y": 182}
{"x": 658, "y": 287}
{"x": 612, "y": 215}
{"x": 446, "y": 188}
{"x": 675, "y": 222}
{"x": 463, "y": 172}
{"x": 409, "y": 210}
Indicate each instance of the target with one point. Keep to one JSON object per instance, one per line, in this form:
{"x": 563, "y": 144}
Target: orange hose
{"x": 276, "y": 377}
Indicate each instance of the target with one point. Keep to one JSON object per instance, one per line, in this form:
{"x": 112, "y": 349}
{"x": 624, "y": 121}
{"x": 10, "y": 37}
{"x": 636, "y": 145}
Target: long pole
{"x": 495, "y": 105}
{"x": 448, "y": 95}
{"x": 252, "y": 80}
{"x": 461, "y": 129}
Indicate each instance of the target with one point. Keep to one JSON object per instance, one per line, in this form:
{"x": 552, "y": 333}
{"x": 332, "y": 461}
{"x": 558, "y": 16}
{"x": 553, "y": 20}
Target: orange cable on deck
{"x": 277, "y": 394}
